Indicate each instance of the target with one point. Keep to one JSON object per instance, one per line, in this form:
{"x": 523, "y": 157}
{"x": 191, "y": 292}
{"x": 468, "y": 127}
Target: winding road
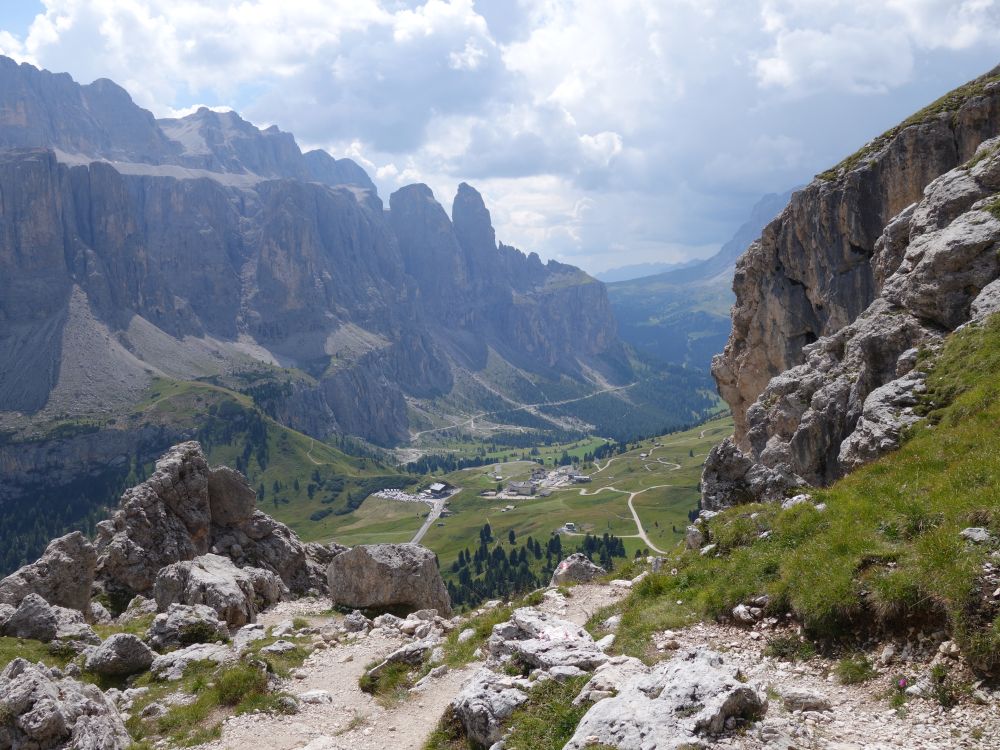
{"x": 471, "y": 421}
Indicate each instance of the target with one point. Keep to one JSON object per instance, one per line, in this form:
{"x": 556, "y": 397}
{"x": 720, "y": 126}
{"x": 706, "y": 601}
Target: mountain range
{"x": 137, "y": 254}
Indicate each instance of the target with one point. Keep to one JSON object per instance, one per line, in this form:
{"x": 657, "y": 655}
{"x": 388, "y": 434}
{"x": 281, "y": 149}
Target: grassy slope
{"x": 887, "y": 550}
{"x": 291, "y": 457}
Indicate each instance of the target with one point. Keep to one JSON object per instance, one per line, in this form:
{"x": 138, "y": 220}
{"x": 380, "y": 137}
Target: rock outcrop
{"x": 38, "y": 620}
{"x": 41, "y": 712}
{"x": 485, "y": 701}
{"x": 812, "y": 271}
{"x": 236, "y": 595}
{"x": 63, "y": 575}
{"x": 539, "y": 640}
{"x": 388, "y": 576}
{"x": 184, "y": 625}
{"x": 575, "y": 569}
{"x": 843, "y": 291}
{"x": 679, "y": 703}
{"x": 186, "y": 510}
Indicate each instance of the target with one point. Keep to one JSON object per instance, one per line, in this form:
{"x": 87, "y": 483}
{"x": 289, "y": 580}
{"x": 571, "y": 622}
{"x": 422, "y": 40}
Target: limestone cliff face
{"x": 131, "y": 247}
{"x": 839, "y": 293}
{"x": 811, "y": 272}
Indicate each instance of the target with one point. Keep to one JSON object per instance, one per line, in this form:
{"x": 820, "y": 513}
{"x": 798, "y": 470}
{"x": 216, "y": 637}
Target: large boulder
{"x": 38, "y": 620}
{"x": 575, "y": 569}
{"x": 121, "y": 655}
{"x": 186, "y": 510}
{"x": 680, "y": 703}
{"x": 185, "y": 624}
{"x": 485, "y": 701}
{"x": 236, "y": 595}
{"x": 388, "y": 576}
{"x": 63, "y": 575}
{"x": 39, "y": 712}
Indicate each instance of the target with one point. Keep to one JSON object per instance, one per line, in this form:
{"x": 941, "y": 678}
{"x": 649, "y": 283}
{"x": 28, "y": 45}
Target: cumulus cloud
{"x": 864, "y": 47}
{"x": 643, "y": 127}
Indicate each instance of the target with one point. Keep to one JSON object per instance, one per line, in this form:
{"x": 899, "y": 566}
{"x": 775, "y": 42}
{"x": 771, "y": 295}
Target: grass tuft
{"x": 549, "y": 719}
{"x": 853, "y": 670}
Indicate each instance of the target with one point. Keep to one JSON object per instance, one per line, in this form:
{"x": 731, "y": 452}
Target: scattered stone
{"x": 36, "y": 619}
{"x": 99, "y": 614}
{"x": 388, "y": 575}
{"x": 279, "y": 647}
{"x": 694, "y": 537}
{"x": 357, "y": 622}
{"x": 138, "y": 607}
{"x": 171, "y": 666}
{"x": 485, "y": 701}
{"x": 316, "y": 697}
{"x": 609, "y": 678}
{"x": 246, "y": 636}
{"x": 184, "y": 624}
{"x": 541, "y": 640}
{"x": 214, "y": 581}
{"x": 976, "y": 535}
{"x": 412, "y": 654}
{"x": 466, "y": 635}
{"x": 804, "y": 700}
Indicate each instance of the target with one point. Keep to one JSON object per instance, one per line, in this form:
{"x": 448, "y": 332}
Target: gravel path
{"x": 861, "y": 717}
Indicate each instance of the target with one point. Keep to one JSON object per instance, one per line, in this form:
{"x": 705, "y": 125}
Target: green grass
{"x": 391, "y": 684}
{"x": 886, "y": 553}
{"x": 546, "y": 722}
{"x": 34, "y": 651}
{"x": 790, "y": 648}
{"x": 853, "y": 670}
{"x": 663, "y": 511}
{"x": 950, "y": 102}
{"x": 549, "y": 719}
{"x": 217, "y": 692}
{"x": 458, "y": 654}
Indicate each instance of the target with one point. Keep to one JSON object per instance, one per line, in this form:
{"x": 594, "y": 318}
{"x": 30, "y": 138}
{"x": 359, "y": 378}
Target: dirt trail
{"x": 353, "y": 720}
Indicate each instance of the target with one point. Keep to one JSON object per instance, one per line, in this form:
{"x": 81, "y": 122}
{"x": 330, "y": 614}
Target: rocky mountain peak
{"x": 473, "y": 224}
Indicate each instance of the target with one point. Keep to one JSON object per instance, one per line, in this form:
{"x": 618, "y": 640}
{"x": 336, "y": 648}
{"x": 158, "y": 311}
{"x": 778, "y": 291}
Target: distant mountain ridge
{"x": 203, "y": 246}
{"x": 681, "y": 316}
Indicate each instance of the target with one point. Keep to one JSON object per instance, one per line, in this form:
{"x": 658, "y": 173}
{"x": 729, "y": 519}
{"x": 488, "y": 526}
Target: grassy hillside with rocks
{"x": 910, "y": 540}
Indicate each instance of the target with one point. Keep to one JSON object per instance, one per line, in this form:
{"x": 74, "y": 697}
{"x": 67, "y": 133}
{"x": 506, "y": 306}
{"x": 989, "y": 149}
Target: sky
{"x": 600, "y": 133}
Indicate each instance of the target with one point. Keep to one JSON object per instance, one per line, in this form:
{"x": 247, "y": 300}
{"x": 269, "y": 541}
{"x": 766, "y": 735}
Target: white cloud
{"x": 857, "y": 47}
